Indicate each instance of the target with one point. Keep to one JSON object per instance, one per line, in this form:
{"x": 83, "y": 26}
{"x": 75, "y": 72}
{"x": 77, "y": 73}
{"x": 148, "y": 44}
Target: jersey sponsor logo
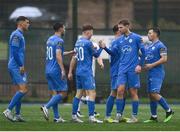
{"x": 126, "y": 49}
{"x": 149, "y": 56}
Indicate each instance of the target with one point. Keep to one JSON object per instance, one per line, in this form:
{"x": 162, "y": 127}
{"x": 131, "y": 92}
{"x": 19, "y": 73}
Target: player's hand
{"x": 148, "y": 66}
{"x": 101, "y": 66}
{"x": 22, "y": 70}
{"x": 138, "y": 69}
{"x": 63, "y": 74}
{"x": 102, "y": 44}
{"x": 70, "y": 76}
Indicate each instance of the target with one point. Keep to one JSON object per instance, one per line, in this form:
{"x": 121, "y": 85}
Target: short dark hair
{"x": 57, "y": 26}
{"x": 115, "y": 28}
{"x": 86, "y": 27}
{"x": 124, "y": 22}
{"x": 156, "y": 30}
{"x": 21, "y": 18}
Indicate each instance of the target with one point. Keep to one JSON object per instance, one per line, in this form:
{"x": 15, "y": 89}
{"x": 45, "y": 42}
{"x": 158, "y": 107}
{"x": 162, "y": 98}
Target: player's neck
{"x": 20, "y": 29}
{"x": 57, "y": 34}
{"x": 155, "y": 40}
{"x": 127, "y": 33}
{"x": 84, "y": 36}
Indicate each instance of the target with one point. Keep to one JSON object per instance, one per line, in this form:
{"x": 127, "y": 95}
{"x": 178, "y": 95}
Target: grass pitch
{"x": 36, "y": 122}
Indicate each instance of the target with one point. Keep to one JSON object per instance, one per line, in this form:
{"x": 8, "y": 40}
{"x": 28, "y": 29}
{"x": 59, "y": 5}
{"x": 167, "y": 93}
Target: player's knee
{"x": 78, "y": 94}
{"x": 92, "y": 94}
{"x": 23, "y": 88}
{"x": 154, "y": 96}
{"x": 120, "y": 92}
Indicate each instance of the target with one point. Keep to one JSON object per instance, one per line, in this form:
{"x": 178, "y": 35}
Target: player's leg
{"x": 83, "y": 100}
{"x": 22, "y": 90}
{"x": 111, "y": 98}
{"x": 134, "y": 85}
{"x": 57, "y": 117}
{"x": 91, "y": 106}
{"x": 54, "y": 85}
{"x": 75, "y": 105}
{"x": 153, "y": 102}
{"x": 109, "y": 106}
{"x": 164, "y": 105}
{"x": 121, "y": 81}
{"x": 89, "y": 86}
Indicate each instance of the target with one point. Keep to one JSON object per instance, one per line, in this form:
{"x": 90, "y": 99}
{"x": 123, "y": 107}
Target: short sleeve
{"x": 163, "y": 50}
{"x": 59, "y": 45}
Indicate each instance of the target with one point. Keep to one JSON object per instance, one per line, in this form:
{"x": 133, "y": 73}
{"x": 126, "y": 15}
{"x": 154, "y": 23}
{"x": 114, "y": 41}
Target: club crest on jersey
{"x": 130, "y": 40}
{"x": 153, "y": 48}
{"x": 126, "y": 49}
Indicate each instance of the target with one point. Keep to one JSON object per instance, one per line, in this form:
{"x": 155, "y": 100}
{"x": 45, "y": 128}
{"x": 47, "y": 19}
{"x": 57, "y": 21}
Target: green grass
{"x": 35, "y": 120}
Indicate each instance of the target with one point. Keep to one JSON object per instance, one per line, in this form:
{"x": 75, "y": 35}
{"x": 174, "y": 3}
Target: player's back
{"x": 53, "y": 43}
{"x": 114, "y": 58}
{"x": 129, "y": 51}
{"x": 16, "y": 41}
{"x": 84, "y": 55}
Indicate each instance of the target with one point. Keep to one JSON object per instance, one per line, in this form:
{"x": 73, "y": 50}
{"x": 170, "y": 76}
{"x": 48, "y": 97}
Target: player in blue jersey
{"x": 155, "y": 57}
{"x": 84, "y": 77}
{"x": 129, "y": 46}
{"x": 114, "y": 63}
{"x": 55, "y": 72}
{"x": 16, "y": 68}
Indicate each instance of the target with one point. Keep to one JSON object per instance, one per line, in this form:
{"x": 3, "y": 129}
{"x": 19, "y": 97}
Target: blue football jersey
{"x": 52, "y": 44}
{"x": 129, "y": 47}
{"x": 153, "y": 53}
{"x": 114, "y": 58}
{"x": 84, "y": 54}
{"x": 16, "y": 49}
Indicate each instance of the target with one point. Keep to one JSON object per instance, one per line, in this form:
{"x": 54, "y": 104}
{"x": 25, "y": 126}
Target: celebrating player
{"x": 156, "y": 56}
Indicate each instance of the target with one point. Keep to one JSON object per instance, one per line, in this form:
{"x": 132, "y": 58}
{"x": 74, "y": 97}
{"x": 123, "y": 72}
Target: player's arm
{"x": 59, "y": 59}
{"x": 141, "y": 48}
{"x": 100, "y": 62}
{"x": 71, "y": 67}
{"x": 162, "y": 60}
{"x": 15, "y": 51}
{"x": 72, "y": 52}
{"x": 103, "y": 45}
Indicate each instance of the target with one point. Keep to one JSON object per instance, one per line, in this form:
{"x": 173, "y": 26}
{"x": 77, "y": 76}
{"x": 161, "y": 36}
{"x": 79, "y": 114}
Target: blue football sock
{"x": 55, "y": 110}
{"x": 153, "y": 107}
{"x": 164, "y": 104}
{"x": 135, "y": 105}
{"x": 54, "y": 100}
{"x": 124, "y": 103}
{"x": 91, "y": 107}
{"x": 119, "y": 105}
{"x": 109, "y": 105}
{"x": 75, "y": 105}
{"x": 16, "y": 98}
{"x": 18, "y": 107}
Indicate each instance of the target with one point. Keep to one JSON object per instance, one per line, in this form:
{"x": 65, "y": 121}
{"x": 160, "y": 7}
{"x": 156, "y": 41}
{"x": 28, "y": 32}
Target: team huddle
{"x": 129, "y": 56}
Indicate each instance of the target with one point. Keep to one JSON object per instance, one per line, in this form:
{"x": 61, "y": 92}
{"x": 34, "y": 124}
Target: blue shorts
{"x": 85, "y": 82}
{"x": 55, "y": 82}
{"x": 114, "y": 82}
{"x": 154, "y": 84}
{"x": 130, "y": 79}
{"x": 17, "y": 77}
